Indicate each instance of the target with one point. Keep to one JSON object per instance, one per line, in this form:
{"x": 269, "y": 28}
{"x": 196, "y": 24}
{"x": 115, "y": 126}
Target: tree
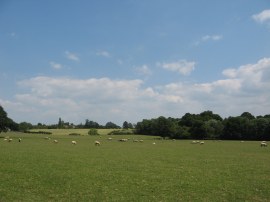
{"x": 3, "y": 120}
{"x": 24, "y": 126}
{"x": 247, "y": 115}
{"x": 125, "y": 125}
{"x": 112, "y": 125}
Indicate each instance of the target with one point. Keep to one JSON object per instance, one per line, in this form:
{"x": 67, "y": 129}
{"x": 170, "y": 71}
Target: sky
{"x": 129, "y": 60}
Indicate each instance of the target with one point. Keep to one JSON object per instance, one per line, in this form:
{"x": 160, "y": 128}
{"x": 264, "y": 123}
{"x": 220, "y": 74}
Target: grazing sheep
{"x": 73, "y": 142}
{"x": 5, "y": 139}
{"x": 97, "y": 143}
{"x": 154, "y": 143}
{"x": 201, "y": 143}
{"x": 135, "y": 140}
{"x": 20, "y": 139}
{"x": 9, "y": 140}
{"x": 263, "y": 144}
{"x": 55, "y": 141}
{"x": 109, "y": 138}
{"x": 194, "y": 142}
{"x": 140, "y": 140}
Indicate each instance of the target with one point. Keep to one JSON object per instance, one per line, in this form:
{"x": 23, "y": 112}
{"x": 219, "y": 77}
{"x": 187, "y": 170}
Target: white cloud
{"x": 72, "y": 56}
{"x": 103, "y": 54}
{"x": 144, "y": 70}
{"x": 262, "y": 17}
{"x": 182, "y": 66}
{"x": 208, "y": 38}
{"x": 212, "y": 37}
{"x": 55, "y": 65}
{"x": 45, "y": 99}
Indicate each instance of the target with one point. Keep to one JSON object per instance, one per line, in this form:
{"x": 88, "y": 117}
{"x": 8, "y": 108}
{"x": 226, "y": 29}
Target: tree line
{"x": 208, "y": 125}
{"x": 205, "y": 125}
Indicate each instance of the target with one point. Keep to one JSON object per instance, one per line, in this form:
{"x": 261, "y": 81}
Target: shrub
{"x": 75, "y": 134}
{"x": 93, "y": 131}
{"x": 121, "y": 132}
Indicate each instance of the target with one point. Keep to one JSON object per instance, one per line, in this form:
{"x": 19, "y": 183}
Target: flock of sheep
{"x": 98, "y": 143}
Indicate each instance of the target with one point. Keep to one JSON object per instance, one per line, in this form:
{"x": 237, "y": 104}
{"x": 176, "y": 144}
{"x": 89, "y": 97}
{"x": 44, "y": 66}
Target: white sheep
{"x": 135, "y": 140}
{"x": 140, "y": 140}
{"x": 202, "y": 142}
{"x": 154, "y": 143}
{"x": 20, "y": 140}
{"x": 263, "y": 144}
{"x": 55, "y": 141}
{"x": 9, "y": 140}
{"x": 5, "y": 139}
{"x": 73, "y": 142}
{"x": 109, "y": 138}
{"x": 97, "y": 143}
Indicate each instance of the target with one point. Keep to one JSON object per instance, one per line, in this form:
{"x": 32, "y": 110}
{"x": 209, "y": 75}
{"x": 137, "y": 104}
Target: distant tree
{"x": 91, "y": 124}
{"x": 61, "y": 124}
{"x": 111, "y": 125}
{"x": 24, "y": 126}
{"x": 125, "y": 125}
{"x": 247, "y": 115}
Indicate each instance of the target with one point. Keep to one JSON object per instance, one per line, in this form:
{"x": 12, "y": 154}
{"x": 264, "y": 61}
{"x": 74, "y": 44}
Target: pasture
{"x": 40, "y": 170}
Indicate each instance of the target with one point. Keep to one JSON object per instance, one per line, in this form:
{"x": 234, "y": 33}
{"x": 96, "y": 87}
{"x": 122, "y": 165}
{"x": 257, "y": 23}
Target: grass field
{"x": 39, "y": 170}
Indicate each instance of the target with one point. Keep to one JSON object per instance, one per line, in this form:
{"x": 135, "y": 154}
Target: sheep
{"x": 97, "y": 143}
{"x": 135, "y": 140}
{"x": 194, "y": 142}
{"x": 109, "y": 138}
{"x": 19, "y": 139}
{"x": 55, "y": 141}
{"x": 140, "y": 140}
{"x": 5, "y": 139}
{"x": 154, "y": 143}
{"x": 73, "y": 142}
{"x": 263, "y": 144}
{"x": 201, "y": 143}
{"x": 47, "y": 138}
{"x": 9, "y": 140}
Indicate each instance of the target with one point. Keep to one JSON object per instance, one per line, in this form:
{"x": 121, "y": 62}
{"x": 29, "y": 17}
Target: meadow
{"x": 39, "y": 170}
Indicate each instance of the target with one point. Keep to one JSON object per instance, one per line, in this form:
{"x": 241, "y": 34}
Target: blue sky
{"x": 125, "y": 60}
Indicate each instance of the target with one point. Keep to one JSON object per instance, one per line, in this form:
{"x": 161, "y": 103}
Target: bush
{"x": 93, "y": 131}
{"x": 38, "y": 132}
{"x": 75, "y": 134}
{"x": 121, "y": 132}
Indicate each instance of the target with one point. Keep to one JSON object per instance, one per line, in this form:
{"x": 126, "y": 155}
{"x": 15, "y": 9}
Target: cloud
{"x": 72, "y": 56}
{"x": 262, "y": 17}
{"x": 55, "y": 65}
{"x": 45, "y": 99}
{"x": 103, "y": 54}
{"x": 144, "y": 70}
{"x": 208, "y": 38}
{"x": 182, "y": 66}
{"x": 212, "y": 37}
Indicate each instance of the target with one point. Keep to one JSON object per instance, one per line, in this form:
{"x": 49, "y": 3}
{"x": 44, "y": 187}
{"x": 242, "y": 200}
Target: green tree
{"x": 125, "y": 125}
{"x": 5, "y": 122}
{"x": 112, "y": 125}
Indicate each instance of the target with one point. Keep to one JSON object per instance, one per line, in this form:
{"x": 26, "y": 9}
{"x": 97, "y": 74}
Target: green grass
{"x": 39, "y": 170}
